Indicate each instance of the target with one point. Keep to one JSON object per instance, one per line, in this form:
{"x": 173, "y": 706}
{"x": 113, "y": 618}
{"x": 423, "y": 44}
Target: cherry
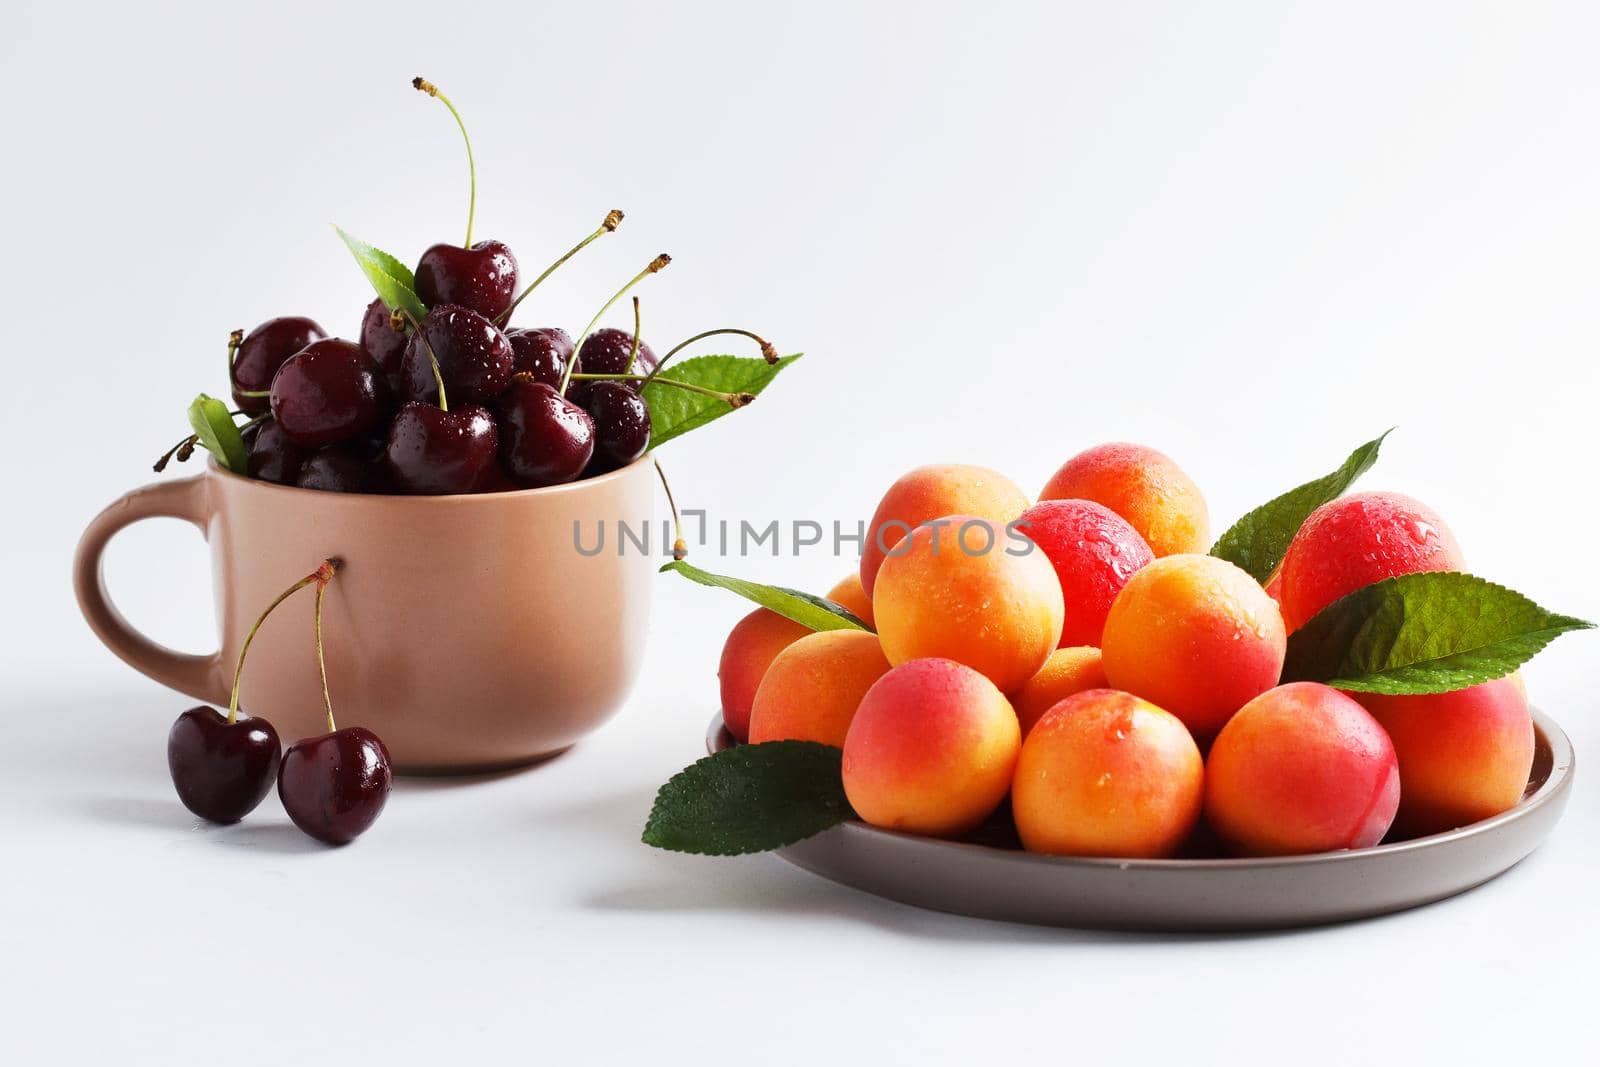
{"x": 480, "y": 276}
{"x": 223, "y": 767}
{"x": 327, "y": 392}
{"x": 542, "y": 352}
{"x": 335, "y": 785}
{"x": 272, "y": 456}
{"x": 261, "y": 352}
{"x": 621, "y": 424}
{"x": 607, "y": 351}
{"x": 434, "y": 450}
{"x": 483, "y": 277}
{"x": 382, "y": 343}
{"x": 545, "y": 439}
{"x": 348, "y": 467}
{"x": 473, "y": 356}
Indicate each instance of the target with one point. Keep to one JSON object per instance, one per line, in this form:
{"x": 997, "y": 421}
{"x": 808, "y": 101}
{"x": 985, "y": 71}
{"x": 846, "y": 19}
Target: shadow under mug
{"x": 469, "y": 632}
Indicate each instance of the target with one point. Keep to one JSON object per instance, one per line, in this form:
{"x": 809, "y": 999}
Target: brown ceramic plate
{"x": 992, "y": 881}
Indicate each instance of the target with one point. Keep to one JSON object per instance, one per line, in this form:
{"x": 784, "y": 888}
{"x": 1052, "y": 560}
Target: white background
{"x": 1252, "y": 235}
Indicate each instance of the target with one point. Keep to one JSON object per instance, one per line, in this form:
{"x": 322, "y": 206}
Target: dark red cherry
{"x": 273, "y": 457}
{"x": 335, "y": 786}
{"x": 434, "y": 451}
{"x": 482, "y": 278}
{"x": 262, "y": 352}
{"x": 382, "y": 343}
{"x": 475, "y": 359}
{"x": 542, "y": 352}
{"x": 545, "y": 439}
{"x": 606, "y": 352}
{"x": 348, "y": 467}
{"x": 222, "y": 770}
{"x": 327, "y": 392}
{"x": 621, "y": 424}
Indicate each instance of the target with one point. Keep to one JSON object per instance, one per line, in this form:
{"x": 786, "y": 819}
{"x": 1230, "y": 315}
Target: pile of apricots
{"x": 1118, "y": 685}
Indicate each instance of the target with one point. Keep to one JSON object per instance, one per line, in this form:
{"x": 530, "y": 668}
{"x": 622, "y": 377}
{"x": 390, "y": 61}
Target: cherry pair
{"x": 333, "y": 786}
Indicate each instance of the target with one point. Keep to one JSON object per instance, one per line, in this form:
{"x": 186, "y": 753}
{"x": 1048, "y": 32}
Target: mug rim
{"x": 213, "y": 467}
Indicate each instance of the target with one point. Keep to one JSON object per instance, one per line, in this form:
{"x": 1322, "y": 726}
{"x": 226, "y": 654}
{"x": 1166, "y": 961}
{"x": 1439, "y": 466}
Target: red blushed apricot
{"x": 1144, "y": 487}
{"x": 849, "y": 595}
{"x": 1301, "y": 768}
{"x": 1349, "y": 543}
{"x": 1107, "y": 774}
{"x": 926, "y": 494}
{"x": 970, "y": 590}
{"x": 1464, "y": 756}
{"x": 1067, "y": 671}
{"x": 811, "y": 691}
{"x": 1094, "y": 551}
{"x": 1194, "y": 635}
{"x": 931, "y": 749}
{"x": 752, "y": 645}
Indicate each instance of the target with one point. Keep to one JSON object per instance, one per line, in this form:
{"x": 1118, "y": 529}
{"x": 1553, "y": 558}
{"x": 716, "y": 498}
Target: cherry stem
{"x": 680, "y": 548}
{"x": 655, "y": 265}
{"x": 433, "y": 360}
{"x": 426, "y": 86}
{"x": 612, "y": 221}
{"x": 733, "y": 400}
{"x": 768, "y": 353}
{"x": 633, "y": 354}
{"x": 323, "y": 574}
{"x": 235, "y": 339}
{"x": 322, "y": 664}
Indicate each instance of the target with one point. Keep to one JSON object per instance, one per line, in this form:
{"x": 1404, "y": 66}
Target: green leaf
{"x": 807, "y": 610}
{"x": 1422, "y": 633}
{"x": 750, "y": 798}
{"x": 674, "y": 412}
{"x": 391, "y": 278}
{"x": 214, "y": 428}
{"x": 1258, "y": 541}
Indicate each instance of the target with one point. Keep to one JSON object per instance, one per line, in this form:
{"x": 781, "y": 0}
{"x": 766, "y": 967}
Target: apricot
{"x": 1464, "y": 756}
{"x": 1194, "y": 635}
{"x": 1067, "y": 671}
{"x": 811, "y": 690}
{"x": 927, "y": 493}
{"x": 1094, "y": 551}
{"x": 931, "y": 749}
{"x": 752, "y": 645}
{"x": 1301, "y": 768}
{"x": 968, "y": 589}
{"x": 849, "y": 594}
{"x": 1106, "y": 773}
{"x": 1143, "y": 486}
{"x": 1349, "y": 543}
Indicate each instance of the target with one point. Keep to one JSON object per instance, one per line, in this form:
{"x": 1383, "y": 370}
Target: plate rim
{"x": 1556, "y": 784}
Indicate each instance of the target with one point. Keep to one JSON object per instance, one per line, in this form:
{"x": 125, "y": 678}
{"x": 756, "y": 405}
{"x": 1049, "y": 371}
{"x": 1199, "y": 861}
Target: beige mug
{"x": 469, "y": 632}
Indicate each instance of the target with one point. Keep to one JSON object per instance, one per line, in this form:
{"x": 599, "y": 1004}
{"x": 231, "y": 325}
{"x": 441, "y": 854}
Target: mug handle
{"x": 198, "y": 676}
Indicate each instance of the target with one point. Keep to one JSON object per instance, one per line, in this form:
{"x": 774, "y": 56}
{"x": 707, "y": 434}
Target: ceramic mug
{"x": 469, "y": 632}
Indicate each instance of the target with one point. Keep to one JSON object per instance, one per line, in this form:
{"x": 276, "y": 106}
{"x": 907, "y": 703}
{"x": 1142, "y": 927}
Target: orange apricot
{"x": 1067, "y": 671}
{"x": 973, "y": 591}
{"x": 811, "y": 691}
{"x": 1194, "y": 635}
{"x": 931, "y": 749}
{"x": 1464, "y": 756}
{"x": 1106, "y": 773}
{"x": 929, "y": 492}
{"x": 1145, "y": 487}
{"x": 1301, "y": 768}
{"x": 849, "y": 594}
